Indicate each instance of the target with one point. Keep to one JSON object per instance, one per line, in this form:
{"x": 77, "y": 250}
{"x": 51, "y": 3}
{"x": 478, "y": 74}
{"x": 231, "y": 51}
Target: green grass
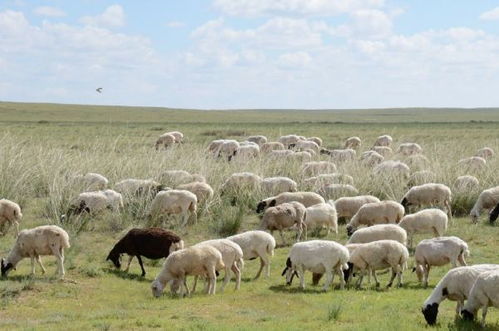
{"x": 38, "y": 160}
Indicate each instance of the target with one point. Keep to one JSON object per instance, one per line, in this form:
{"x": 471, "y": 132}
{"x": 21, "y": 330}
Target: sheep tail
{"x": 65, "y": 240}
{"x": 270, "y": 249}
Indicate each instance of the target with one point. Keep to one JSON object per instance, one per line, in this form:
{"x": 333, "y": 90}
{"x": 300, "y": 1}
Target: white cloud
{"x": 490, "y": 15}
{"x": 295, "y": 60}
{"x": 49, "y": 11}
{"x": 113, "y": 16}
{"x": 175, "y": 24}
{"x": 372, "y": 22}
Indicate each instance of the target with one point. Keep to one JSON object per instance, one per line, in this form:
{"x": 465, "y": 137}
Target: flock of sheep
{"x": 380, "y": 231}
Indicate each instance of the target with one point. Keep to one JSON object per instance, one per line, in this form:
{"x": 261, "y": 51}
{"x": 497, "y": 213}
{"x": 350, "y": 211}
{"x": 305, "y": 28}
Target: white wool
{"x": 466, "y": 183}
{"x": 483, "y": 294}
{"x": 392, "y": 168}
{"x": 428, "y": 221}
{"x": 242, "y": 181}
{"x": 353, "y": 142}
{"x": 429, "y": 194}
{"x": 314, "y": 168}
{"x": 202, "y": 190}
{"x": 259, "y": 139}
{"x": 175, "y": 202}
{"x": 336, "y": 191}
{"x": 382, "y": 212}
{"x": 322, "y": 215}
{"x": 379, "y": 232}
{"x": 271, "y": 146}
{"x": 285, "y": 216}
{"x": 487, "y": 200}
{"x": 348, "y": 206}
{"x": 10, "y": 214}
{"x": 277, "y": 185}
{"x": 384, "y": 140}
{"x": 409, "y": 149}
{"x": 94, "y": 181}
{"x": 485, "y": 152}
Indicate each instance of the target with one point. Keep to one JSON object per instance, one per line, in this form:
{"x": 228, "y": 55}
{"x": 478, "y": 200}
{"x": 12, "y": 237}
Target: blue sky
{"x": 215, "y": 54}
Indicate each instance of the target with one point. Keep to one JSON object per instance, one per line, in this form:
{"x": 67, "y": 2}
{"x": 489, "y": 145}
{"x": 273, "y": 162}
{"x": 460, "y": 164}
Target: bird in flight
{"x": 99, "y": 89}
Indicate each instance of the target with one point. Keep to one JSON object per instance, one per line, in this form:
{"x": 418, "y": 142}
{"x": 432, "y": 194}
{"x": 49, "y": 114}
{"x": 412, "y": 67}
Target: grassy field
{"x": 42, "y": 148}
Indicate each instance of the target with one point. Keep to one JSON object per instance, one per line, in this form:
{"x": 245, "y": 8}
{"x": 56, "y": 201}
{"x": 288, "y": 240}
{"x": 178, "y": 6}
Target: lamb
{"x": 178, "y": 177}
{"x": 319, "y": 257}
{"x": 256, "y": 244}
{"x": 472, "y": 163}
{"x": 305, "y": 144}
{"x": 382, "y": 212}
{"x": 153, "y": 243}
{"x": 202, "y": 190}
{"x": 129, "y": 187}
{"x": 385, "y": 151}
{"x": 353, "y": 142}
{"x": 483, "y": 294}
{"x": 175, "y": 202}
{"x": 322, "y": 215}
{"x": 316, "y": 140}
{"x": 166, "y": 140}
{"x": 299, "y": 157}
{"x": 94, "y": 181}
{"x": 271, "y": 146}
{"x": 488, "y": 199}
{"x": 259, "y": 140}
{"x": 326, "y": 179}
{"x": 439, "y": 252}
{"x": 377, "y": 255}
{"x": 289, "y": 141}
{"x": 466, "y": 183}
{"x": 232, "y": 257}
{"x": 241, "y": 181}
{"x": 277, "y": 185}
{"x": 340, "y": 155}
{"x": 318, "y": 167}
{"x": 192, "y": 261}
{"x": 433, "y": 221}
{"x": 348, "y": 206}
{"x": 409, "y": 149}
{"x": 485, "y": 152}
{"x": 455, "y": 286}
{"x": 336, "y": 191}
{"x": 429, "y": 194}
{"x": 422, "y": 177}
{"x": 384, "y": 140}
{"x": 371, "y": 158}
{"x": 306, "y": 198}
{"x": 284, "y": 216}
{"x": 10, "y": 214}
{"x": 247, "y": 152}
{"x": 379, "y": 232}
{"x": 42, "y": 240}
{"x": 392, "y": 169}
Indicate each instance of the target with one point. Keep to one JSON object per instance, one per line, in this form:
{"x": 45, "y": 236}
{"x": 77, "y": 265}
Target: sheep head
{"x": 157, "y": 288}
{"x": 115, "y": 258}
{"x": 430, "y": 313}
{"x": 467, "y": 316}
{"x": 289, "y": 272}
{"x": 6, "y": 267}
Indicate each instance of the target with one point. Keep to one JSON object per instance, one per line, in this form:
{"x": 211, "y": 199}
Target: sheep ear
{"x": 284, "y": 271}
{"x": 272, "y": 203}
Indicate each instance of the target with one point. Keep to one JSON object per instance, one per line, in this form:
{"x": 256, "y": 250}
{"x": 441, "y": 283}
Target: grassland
{"x": 43, "y": 146}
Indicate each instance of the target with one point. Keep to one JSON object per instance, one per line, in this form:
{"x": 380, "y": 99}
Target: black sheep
{"x": 153, "y": 243}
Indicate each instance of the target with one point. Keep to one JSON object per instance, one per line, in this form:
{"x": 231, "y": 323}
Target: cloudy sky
{"x": 251, "y": 53}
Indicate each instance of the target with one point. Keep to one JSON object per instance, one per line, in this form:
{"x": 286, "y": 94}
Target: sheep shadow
{"x": 461, "y": 325}
{"x": 310, "y": 289}
{"x": 126, "y": 275}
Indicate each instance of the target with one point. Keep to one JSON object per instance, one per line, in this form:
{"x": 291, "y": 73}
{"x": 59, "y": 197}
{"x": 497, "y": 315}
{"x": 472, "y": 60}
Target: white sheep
{"x": 439, "y": 252}
{"x": 483, "y": 294}
{"x": 232, "y": 257}
{"x": 175, "y": 202}
{"x": 256, "y": 244}
{"x": 10, "y": 214}
{"x": 260, "y": 140}
{"x": 320, "y": 257}
{"x": 202, "y": 190}
{"x": 371, "y": 158}
{"x": 306, "y": 198}
{"x": 340, "y": 155}
{"x": 429, "y": 194}
{"x": 385, "y": 151}
{"x": 285, "y": 216}
{"x": 384, "y": 140}
{"x": 240, "y": 181}
{"x": 487, "y": 200}
{"x": 89, "y": 202}
{"x": 114, "y": 199}
{"x": 392, "y": 169}
{"x": 377, "y": 255}
{"x": 214, "y": 145}
{"x": 316, "y": 140}
{"x": 379, "y": 232}
{"x": 409, "y": 149}
{"x": 166, "y": 140}
{"x": 277, "y": 185}
{"x": 348, "y": 206}
{"x": 466, "y": 183}
{"x": 131, "y": 186}
{"x": 289, "y": 140}
{"x": 417, "y": 162}
{"x": 271, "y": 146}
{"x": 422, "y": 177}
{"x": 306, "y": 144}
{"x": 325, "y": 179}
{"x": 336, "y": 191}
{"x": 192, "y": 261}
{"x": 94, "y": 181}
{"x": 322, "y": 215}
{"x": 36, "y": 242}
{"x": 353, "y": 142}
{"x": 247, "y": 152}
{"x": 179, "y": 136}
{"x": 227, "y": 149}
{"x": 279, "y": 154}
{"x": 455, "y": 286}
{"x": 430, "y": 221}
{"x": 383, "y": 212}
{"x": 178, "y": 177}
{"x": 300, "y": 157}
{"x": 314, "y": 168}
{"x": 485, "y": 152}
{"x": 472, "y": 163}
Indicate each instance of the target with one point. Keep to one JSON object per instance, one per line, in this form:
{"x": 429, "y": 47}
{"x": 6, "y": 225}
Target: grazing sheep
{"x": 153, "y": 243}
{"x": 472, "y": 163}
{"x": 165, "y": 140}
{"x": 417, "y": 162}
{"x": 382, "y": 212}
{"x": 316, "y": 140}
{"x": 493, "y": 214}
{"x": 483, "y": 294}
{"x": 315, "y": 168}
{"x": 259, "y": 140}
{"x": 32, "y": 243}
{"x": 175, "y": 202}
{"x": 326, "y": 179}
{"x": 278, "y": 185}
{"x": 431, "y": 221}
{"x": 284, "y": 216}
{"x": 348, "y": 206}
{"x": 336, "y": 191}
{"x": 202, "y": 261}
{"x": 256, "y": 244}
{"x": 319, "y": 257}
{"x": 385, "y": 151}
{"x": 179, "y": 136}
{"x": 306, "y": 198}
{"x": 247, "y": 152}
{"x": 114, "y": 200}
{"x": 392, "y": 169}
{"x": 371, "y": 158}
{"x": 241, "y": 181}
{"x": 279, "y": 154}
{"x": 228, "y": 149}
{"x": 384, "y": 140}
{"x": 289, "y": 141}
{"x": 379, "y": 232}
{"x": 202, "y": 190}
{"x": 378, "y": 255}
{"x": 409, "y": 149}
{"x": 305, "y": 144}
{"x": 439, "y": 252}
{"x": 10, "y": 213}
{"x": 322, "y": 215}
{"x": 422, "y": 177}
{"x": 466, "y": 183}
{"x": 178, "y": 177}
{"x": 455, "y": 286}
{"x": 340, "y": 155}
{"x": 299, "y": 157}
{"x": 214, "y": 146}
{"x": 429, "y": 194}
{"x": 271, "y": 146}
{"x": 130, "y": 187}
{"x": 487, "y": 200}
{"x": 94, "y": 182}
{"x": 353, "y": 142}
{"x": 232, "y": 256}
{"x": 485, "y": 152}
{"x": 88, "y": 202}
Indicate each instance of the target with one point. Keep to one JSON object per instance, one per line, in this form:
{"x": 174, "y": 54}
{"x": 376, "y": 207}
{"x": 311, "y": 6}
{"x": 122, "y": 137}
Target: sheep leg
{"x": 141, "y": 265}
{"x": 449, "y": 211}
{"x": 339, "y": 270}
{"x": 459, "y": 307}
{"x": 484, "y": 314}
{"x": 186, "y": 287}
{"x": 195, "y": 283}
{"x": 282, "y": 237}
{"x": 130, "y": 258}
{"x": 394, "y": 274}
{"x": 359, "y": 281}
{"x": 237, "y": 272}
{"x": 262, "y": 264}
{"x": 33, "y": 265}
{"x": 57, "y": 252}
{"x": 329, "y": 280}
{"x": 375, "y": 277}
{"x": 399, "y": 276}
{"x": 299, "y": 231}
{"x": 16, "y": 223}
{"x": 212, "y": 278}
{"x": 39, "y": 260}
{"x": 305, "y": 230}
{"x": 461, "y": 259}
{"x": 226, "y": 278}
{"x": 300, "y": 272}
{"x": 426, "y": 274}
